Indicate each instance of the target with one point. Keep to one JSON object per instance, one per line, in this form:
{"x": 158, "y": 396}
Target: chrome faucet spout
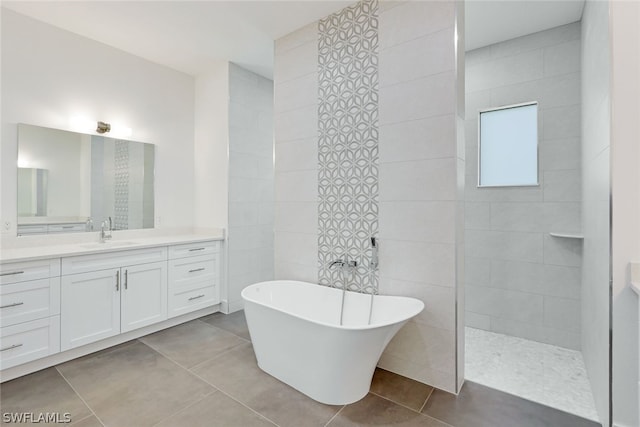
{"x": 340, "y": 263}
{"x": 104, "y": 235}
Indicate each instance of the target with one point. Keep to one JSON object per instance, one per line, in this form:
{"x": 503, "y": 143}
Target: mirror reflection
{"x": 73, "y": 182}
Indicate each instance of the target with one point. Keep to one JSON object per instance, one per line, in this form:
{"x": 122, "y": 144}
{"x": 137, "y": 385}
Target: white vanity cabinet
{"x": 29, "y": 311}
{"x": 85, "y": 300}
{"x": 194, "y": 277}
{"x": 107, "y": 294}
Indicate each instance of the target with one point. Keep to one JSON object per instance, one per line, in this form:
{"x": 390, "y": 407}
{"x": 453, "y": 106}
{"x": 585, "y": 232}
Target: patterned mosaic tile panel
{"x": 121, "y": 185}
{"x": 348, "y": 144}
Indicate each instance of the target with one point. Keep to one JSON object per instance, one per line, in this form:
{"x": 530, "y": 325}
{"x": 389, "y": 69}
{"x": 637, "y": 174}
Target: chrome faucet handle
{"x": 373, "y": 263}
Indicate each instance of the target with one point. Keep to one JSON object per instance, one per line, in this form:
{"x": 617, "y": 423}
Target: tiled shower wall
{"x": 250, "y": 240}
{"x": 596, "y": 126}
{"x": 418, "y": 186}
{"x": 520, "y": 280}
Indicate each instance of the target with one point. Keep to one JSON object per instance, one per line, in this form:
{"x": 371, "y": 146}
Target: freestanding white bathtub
{"x": 299, "y": 337}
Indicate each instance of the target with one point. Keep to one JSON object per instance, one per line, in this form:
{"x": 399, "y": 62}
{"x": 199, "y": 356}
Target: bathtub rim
{"x": 402, "y": 319}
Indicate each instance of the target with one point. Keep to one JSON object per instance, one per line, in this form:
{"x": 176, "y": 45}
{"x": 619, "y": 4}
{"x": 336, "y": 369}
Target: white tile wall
{"x": 250, "y": 240}
{"x": 595, "y": 200}
{"x": 419, "y": 185}
{"x": 296, "y": 155}
{"x": 519, "y": 279}
{"x": 417, "y": 179}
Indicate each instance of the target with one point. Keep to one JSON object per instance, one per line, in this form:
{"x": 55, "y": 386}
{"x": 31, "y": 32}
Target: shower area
{"x": 533, "y": 251}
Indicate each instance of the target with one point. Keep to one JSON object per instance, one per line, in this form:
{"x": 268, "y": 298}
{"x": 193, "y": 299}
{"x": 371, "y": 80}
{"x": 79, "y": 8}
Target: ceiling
{"x": 191, "y": 36}
{"x": 490, "y": 21}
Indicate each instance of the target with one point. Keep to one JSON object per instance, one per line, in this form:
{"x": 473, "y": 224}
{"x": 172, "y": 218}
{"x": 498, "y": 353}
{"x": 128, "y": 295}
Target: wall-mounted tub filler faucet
{"x": 340, "y": 263}
{"x": 374, "y": 254}
{"x": 351, "y": 265}
{"x": 105, "y": 234}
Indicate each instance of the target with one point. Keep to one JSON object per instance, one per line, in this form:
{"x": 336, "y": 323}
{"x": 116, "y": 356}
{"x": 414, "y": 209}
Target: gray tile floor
{"x": 204, "y": 373}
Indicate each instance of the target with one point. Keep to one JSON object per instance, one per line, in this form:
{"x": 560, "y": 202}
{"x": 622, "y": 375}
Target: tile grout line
{"x": 426, "y": 400}
{"x": 207, "y": 382}
{"x": 79, "y": 396}
{"x": 234, "y": 399}
{"x": 82, "y": 419}
{"x": 208, "y": 360}
{"x": 222, "y": 329}
{"x": 413, "y": 410}
{"x": 394, "y": 402}
{"x": 186, "y": 407}
{"x": 335, "y": 415}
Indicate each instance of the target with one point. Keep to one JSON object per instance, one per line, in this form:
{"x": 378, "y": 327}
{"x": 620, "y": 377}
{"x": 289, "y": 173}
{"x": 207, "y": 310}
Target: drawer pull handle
{"x": 126, "y": 279}
{"x": 15, "y": 304}
{"x": 11, "y": 347}
{"x": 196, "y": 269}
{"x": 12, "y": 273}
{"x": 196, "y": 249}
{"x": 199, "y": 296}
{"x": 67, "y": 226}
{"x": 117, "y": 280}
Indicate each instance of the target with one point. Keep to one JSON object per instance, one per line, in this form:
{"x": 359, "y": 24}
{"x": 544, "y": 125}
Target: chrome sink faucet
{"x": 105, "y": 234}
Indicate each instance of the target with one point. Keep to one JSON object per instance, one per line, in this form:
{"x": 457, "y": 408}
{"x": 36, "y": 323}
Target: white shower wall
{"x": 418, "y": 182}
{"x": 596, "y": 125}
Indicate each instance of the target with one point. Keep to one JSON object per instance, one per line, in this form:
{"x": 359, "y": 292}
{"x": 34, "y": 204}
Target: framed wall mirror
{"x": 73, "y": 182}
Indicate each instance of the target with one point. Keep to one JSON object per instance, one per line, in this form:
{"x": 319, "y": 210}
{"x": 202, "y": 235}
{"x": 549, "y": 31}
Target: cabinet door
{"x": 144, "y": 295}
{"x": 90, "y": 307}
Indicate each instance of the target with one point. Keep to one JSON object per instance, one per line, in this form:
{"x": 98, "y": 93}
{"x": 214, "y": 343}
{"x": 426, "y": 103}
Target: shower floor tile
{"x": 542, "y": 373}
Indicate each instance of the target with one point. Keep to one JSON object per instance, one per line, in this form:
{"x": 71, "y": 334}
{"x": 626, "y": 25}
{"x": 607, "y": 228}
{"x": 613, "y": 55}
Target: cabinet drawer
{"x": 186, "y": 301}
{"x": 22, "y": 302}
{"x": 116, "y": 259}
{"x": 194, "y": 249}
{"x": 15, "y": 272}
{"x": 29, "y": 341}
{"x": 186, "y": 271}
{"x": 67, "y": 228}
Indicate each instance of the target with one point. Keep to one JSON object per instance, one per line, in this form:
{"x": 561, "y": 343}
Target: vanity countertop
{"x": 117, "y": 243}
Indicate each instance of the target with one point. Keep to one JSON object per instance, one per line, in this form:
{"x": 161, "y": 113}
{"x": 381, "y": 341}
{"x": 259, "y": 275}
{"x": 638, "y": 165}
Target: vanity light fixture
{"x": 103, "y": 127}
{"x": 84, "y": 125}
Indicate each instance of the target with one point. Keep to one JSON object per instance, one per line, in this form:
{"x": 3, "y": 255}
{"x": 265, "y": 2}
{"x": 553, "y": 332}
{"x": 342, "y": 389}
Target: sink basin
{"x": 107, "y": 244}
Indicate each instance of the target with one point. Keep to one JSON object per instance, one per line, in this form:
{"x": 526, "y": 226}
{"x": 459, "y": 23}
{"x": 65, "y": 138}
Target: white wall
{"x": 596, "y": 113}
{"x": 625, "y": 182}
{"x": 520, "y": 280}
{"x": 50, "y": 75}
{"x": 250, "y": 241}
{"x": 211, "y": 147}
{"x": 296, "y": 155}
{"x": 419, "y": 188}
{"x": 418, "y": 161}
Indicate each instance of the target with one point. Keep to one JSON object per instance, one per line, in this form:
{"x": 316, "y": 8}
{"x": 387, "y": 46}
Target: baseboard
{"x": 234, "y": 306}
{"x": 65, "y": 356}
